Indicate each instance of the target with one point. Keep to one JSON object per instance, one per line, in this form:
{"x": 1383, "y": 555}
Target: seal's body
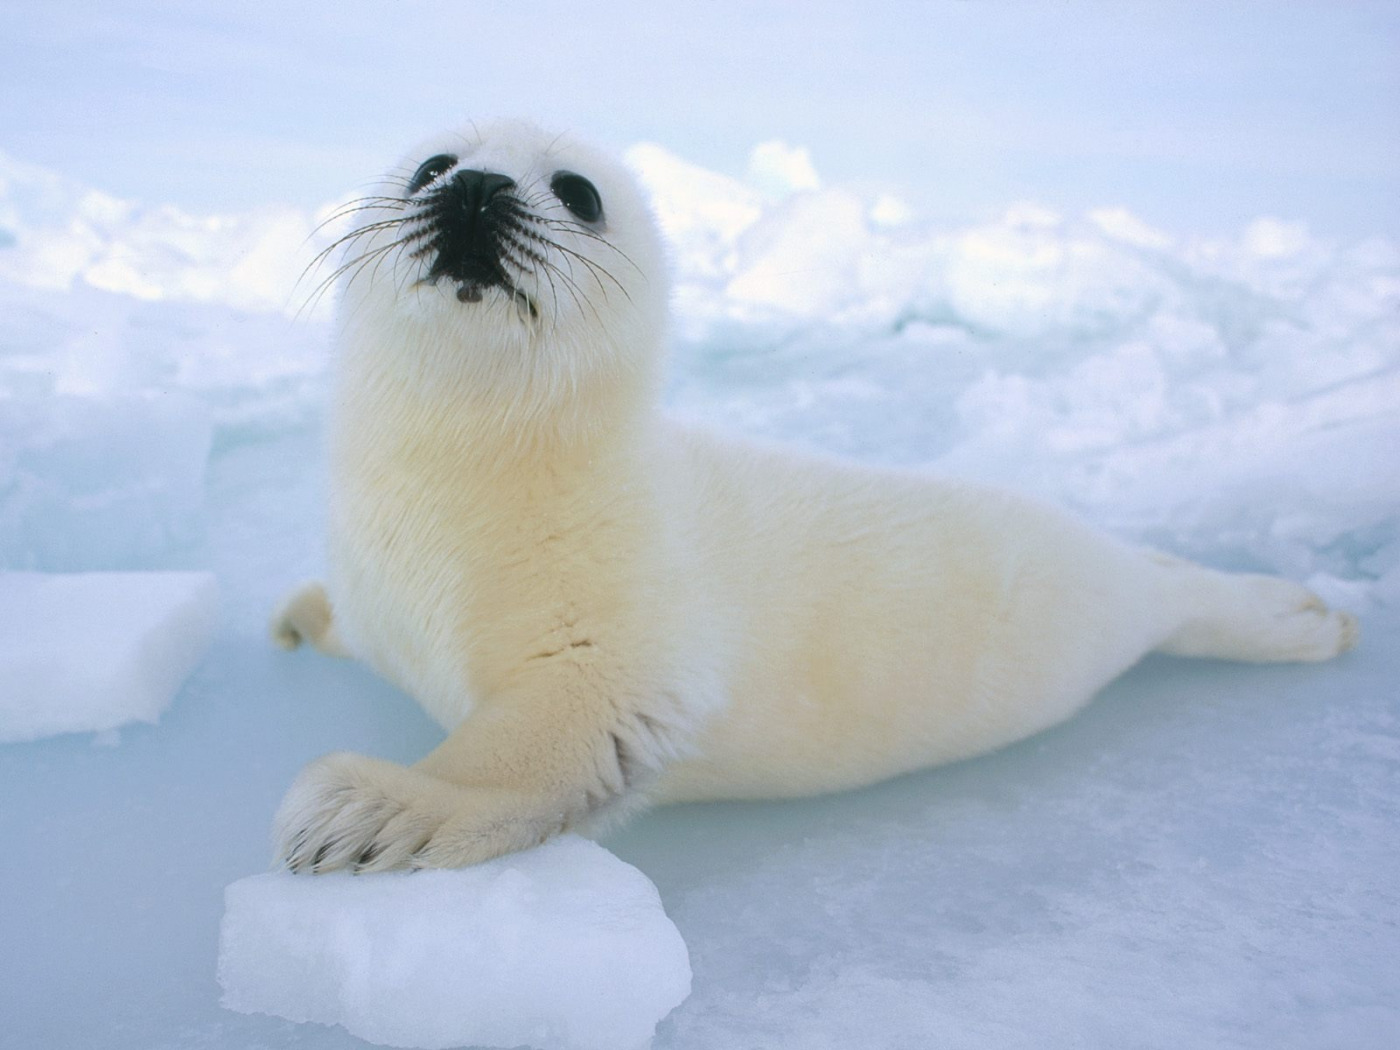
{"x": 606, "y": 609}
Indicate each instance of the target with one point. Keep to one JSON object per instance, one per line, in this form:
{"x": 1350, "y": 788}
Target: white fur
{"x": 608, "y": 610}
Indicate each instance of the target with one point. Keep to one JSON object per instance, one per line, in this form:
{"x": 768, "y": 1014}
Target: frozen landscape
{"x": 1207, "y": 856}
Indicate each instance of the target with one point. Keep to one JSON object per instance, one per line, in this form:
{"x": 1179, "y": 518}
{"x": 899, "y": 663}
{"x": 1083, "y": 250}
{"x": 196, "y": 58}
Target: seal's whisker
{"x": 348, "y": 239}
{"x": 507, "y": 257}
{"x": 320, "y": 256}
{"x": 553, "y": 295}
{"x": 408, "y": 239}
{"x": 593, "y": 235}
{"x": 569, "y": 286}
{"x": 538, "y": 263}
{"x": 374, "y": 199}
{"x": 561, "y": 226}
{"x": 575, "y": 291}
{"x": 360, "y": 204}
{"x": 592, "y": 264}
{"x": 596, "y": 269}
{"x": 320, "y": 290}
{"x": 360, "y": 231}
{"x": 400, "y": 176}
{"x": 374, "y": 255}
{"x": 524, "y": 249}
{"x": 524, "y": 210}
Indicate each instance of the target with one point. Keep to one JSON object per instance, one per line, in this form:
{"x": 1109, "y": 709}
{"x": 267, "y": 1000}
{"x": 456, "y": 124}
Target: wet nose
{"x": 474, "y": 189}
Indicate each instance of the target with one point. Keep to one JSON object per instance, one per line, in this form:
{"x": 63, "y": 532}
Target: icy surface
{"x": 1205, "y": 857}
{"x": 563, "y": 946}
{"x": 100, "y": 482}
{"x": 89, "y": 652}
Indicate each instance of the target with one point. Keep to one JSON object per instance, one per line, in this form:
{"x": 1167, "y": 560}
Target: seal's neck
{"x": 494, "y": 415}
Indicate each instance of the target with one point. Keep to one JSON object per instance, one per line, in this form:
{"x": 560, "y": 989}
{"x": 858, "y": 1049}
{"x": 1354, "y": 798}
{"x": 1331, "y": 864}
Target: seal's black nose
{"x": 467, "y": 228}
{"x": 474, "y": 189}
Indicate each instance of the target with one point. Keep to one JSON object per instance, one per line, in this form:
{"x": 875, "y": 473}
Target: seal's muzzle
{"x": 469, "y": 215}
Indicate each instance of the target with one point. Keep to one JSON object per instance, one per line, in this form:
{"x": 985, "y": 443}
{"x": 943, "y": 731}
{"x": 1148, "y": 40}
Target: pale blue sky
{"x": 1199, "y": 116}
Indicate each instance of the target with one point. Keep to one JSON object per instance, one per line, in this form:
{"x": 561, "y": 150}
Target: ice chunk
{"x": 93, "y": 651}
{"x": 563, "y": 946}
{"x": 100, "y": 482}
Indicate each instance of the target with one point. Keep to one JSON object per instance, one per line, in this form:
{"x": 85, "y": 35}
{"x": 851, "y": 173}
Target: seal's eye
{"x": 578, "y": 195}
{"x": 429, "y": 170}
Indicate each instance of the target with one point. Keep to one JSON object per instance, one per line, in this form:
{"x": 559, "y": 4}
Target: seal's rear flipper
{"x": 1261, "y": 619}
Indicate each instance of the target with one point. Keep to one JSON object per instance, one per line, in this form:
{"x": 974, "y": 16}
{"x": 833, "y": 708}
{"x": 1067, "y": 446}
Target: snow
{"x": 1205, "y": 857}
{"x": 563, "y": 946}
{"x": 90, "y": 652}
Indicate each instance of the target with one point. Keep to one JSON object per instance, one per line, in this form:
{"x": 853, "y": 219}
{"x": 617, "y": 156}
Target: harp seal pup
{"x": 606, "y": 609}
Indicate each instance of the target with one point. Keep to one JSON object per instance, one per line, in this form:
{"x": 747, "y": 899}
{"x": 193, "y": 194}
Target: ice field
{"x": 1196, "y": 344}
{"x": 1204, "y": 857}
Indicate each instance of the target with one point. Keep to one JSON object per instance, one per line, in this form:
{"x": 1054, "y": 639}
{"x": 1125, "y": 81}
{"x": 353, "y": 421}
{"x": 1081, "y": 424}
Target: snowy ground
{"x": 1206, "y": 857}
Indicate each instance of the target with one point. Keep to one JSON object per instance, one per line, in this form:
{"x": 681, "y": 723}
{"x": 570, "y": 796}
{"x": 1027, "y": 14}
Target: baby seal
{"x": 606, "y": 609}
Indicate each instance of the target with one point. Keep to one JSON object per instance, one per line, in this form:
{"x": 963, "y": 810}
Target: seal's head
{"x": 500, "y": 256}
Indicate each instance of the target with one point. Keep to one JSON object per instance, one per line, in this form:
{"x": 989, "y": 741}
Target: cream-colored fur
{"x": 607, "y": 610}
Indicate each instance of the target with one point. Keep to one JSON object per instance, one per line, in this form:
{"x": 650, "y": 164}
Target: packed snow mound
{"x": 89, "y": 652}
{"x": 563, "y": 947}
